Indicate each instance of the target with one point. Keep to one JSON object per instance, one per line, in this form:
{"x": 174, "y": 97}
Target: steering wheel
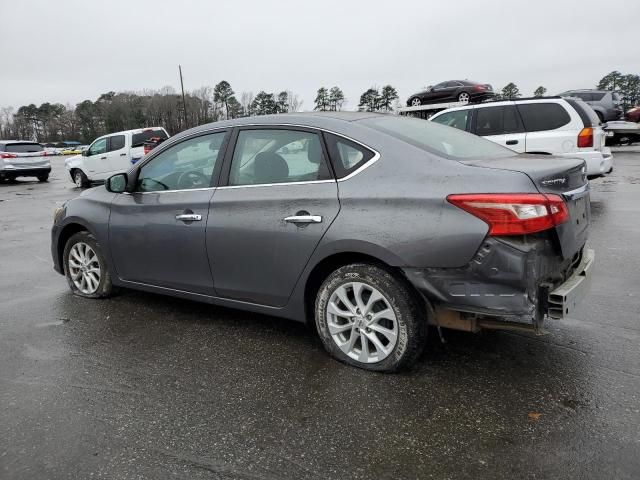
{"x": 147, "y": 179}
{"x": 193, "y": 179}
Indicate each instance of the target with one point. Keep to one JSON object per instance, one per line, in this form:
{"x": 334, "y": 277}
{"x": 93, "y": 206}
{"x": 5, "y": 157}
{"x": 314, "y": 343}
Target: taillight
{"x": 43, "y": 154}
{"x": 8, "y": 155}
{"x": 479, "y": 88}
{"x": 514, "y": 213}
{"x": 585, "y": 138}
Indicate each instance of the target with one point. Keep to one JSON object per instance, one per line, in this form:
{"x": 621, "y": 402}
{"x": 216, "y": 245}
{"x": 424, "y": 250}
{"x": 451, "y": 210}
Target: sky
{"x": 67, "y": 51}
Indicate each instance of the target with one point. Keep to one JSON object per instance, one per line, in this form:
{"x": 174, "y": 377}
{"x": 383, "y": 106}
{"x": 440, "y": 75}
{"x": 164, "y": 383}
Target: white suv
{"x": 111, "y": 154}
{"x": 565, "y": 127}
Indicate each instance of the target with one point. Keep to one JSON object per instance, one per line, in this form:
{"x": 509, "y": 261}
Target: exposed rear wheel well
{"x": 332, "y": 263}
{"x": 65, "y": 235}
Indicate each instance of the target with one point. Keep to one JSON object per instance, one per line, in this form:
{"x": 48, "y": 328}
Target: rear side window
{"x": 456, "y": 119}
{"x": 116, "y": 142}
{"x": 540, "y": 116}
{"x": 347, "y": 156}
{"x": 267, "y": 156}
{"x": 138, "y": 139}
{"x": 24, "y": 147}
{"x": 597, "y": 96}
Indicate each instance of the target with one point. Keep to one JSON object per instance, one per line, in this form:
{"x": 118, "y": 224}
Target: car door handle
{"x": 512, "y": 142}
{"x": 123, "y": 154}
{"x": 304, "y": 219}
{"x": 189, "y": 217}
{"x": 103, "y": 158}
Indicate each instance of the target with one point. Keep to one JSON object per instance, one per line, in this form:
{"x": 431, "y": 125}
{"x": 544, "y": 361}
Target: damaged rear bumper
{"x": 563, "y": 300}
{"x": 516, "y": 280}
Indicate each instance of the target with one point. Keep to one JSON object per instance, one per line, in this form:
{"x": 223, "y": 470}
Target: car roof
{"x": 588, "y": 90}
{"x": 310, "y": 119}
{"x": 5, "y": 142}
{"x": 494, "y": 103}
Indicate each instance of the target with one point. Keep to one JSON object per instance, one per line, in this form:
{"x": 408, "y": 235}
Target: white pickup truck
{"x": 111, "y": 154}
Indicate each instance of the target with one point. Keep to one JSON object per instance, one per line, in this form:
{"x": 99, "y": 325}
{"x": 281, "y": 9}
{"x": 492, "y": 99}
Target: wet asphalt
{"x": 145, "y": 386}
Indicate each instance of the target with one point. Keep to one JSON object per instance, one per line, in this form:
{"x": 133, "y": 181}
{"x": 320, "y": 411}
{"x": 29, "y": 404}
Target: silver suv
{"x": 605, "y": 103}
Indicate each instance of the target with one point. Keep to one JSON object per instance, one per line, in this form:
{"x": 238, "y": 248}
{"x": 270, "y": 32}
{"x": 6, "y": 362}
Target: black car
{"x": 452, "y": 91}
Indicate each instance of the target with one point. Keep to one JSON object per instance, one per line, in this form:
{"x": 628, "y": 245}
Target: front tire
{"x": 369, "y": 318}
{"x": 415, "y": 102}
{"x": 85, "y": 267}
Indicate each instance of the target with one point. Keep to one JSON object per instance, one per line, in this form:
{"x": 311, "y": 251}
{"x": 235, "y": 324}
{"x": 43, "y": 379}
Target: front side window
{"x": 98, "y": 147}
{"x": 456, "y": 119}
{"x": 540, "y": 116}
{"x": 116, "y": 143}
{"x": 265, "y": 156}
{"x": 189, "y": 164}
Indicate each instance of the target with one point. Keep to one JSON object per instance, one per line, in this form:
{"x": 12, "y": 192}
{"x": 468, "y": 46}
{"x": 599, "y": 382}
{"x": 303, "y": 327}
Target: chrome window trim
{"x": 371, "y": 161}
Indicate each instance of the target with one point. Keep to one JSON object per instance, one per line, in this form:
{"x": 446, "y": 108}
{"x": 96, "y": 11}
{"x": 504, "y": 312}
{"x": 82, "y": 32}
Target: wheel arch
{"x": 67, "y": 231}
{"x": 324, "y": 267}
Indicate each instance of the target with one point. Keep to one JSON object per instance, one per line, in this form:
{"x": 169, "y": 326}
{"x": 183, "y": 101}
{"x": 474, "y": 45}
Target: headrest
{"x": 314, "y": 150}
{"x": 270, "y": 167}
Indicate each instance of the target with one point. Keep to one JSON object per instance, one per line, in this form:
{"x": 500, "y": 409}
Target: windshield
{"x": 441, "y": 140}
{"x": 138, "y": 139}
{"x": 23, "y": 147}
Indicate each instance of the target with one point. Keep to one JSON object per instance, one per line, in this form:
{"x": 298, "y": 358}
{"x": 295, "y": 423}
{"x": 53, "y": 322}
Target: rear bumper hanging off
{"x": 563, "y": 300}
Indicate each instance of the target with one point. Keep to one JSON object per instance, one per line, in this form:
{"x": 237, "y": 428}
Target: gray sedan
{"x": 370, "y": 226}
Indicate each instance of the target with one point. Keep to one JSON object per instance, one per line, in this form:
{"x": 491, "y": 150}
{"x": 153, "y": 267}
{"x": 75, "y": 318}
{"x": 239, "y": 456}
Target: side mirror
{"x": 117, "y": 183}
{"x": 85, "y": 153}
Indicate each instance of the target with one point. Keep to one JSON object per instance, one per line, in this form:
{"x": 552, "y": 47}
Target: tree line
{"x": 627, "y": 86}
{"x": 112, "y": 112}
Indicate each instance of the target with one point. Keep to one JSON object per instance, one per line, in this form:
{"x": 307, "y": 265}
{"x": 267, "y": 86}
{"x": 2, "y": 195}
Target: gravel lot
{"x": 144, "y": 386}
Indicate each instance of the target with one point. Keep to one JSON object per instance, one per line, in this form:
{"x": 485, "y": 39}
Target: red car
{"x": 633, "y": 114}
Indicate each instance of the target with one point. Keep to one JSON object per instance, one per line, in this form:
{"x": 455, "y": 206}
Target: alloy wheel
{"x": 416, "y": 102}
{"x": 362, "y": 322}
{"x": 463, "y": 97}
{"x": 78, "y": 179}
{"x": 84, "y": 268}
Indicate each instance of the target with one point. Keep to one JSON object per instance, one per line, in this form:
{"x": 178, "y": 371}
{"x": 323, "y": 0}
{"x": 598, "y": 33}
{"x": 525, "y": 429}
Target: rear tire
{"x": 85, "y": 267}
{"x": 80, "y": 179}
{"x": 43, "y": 178}
{"x": 369, "y": 318}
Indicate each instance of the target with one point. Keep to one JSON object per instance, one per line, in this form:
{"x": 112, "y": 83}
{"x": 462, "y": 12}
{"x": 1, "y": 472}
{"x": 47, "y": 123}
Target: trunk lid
{"x": 560, "y": 176}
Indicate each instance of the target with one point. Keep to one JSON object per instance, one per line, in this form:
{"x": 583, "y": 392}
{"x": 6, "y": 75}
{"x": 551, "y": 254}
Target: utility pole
{"x": 184, "y": 103}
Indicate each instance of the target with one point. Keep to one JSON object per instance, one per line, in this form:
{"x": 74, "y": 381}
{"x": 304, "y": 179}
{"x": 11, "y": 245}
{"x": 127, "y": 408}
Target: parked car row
{"x": 563, "y": 127}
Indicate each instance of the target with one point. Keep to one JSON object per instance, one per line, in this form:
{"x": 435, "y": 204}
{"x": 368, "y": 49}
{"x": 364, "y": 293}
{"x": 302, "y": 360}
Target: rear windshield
{"x": 138, "y": 139}
{"x": 24, "y": 147}
{"x": 441, "y": 140}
